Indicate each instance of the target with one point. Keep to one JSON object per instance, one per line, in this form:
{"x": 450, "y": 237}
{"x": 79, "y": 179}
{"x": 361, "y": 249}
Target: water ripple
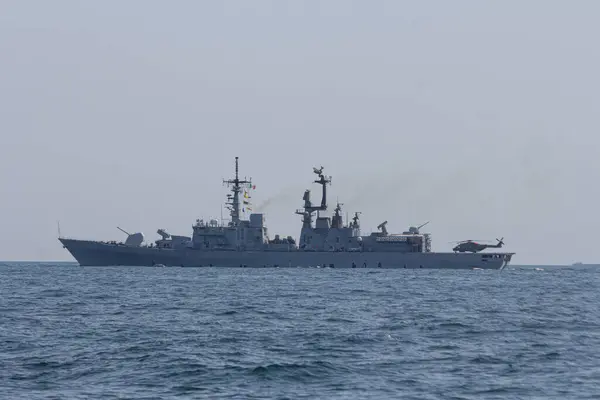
{"x": 153, "y": 333}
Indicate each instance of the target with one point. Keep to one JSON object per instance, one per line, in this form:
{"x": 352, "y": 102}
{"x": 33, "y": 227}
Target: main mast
{"x": 308, "y": 206}
{"x": 234, "y": 200}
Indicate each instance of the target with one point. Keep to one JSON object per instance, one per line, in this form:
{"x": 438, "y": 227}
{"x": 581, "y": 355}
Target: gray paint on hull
{"x": 93, "y": 253}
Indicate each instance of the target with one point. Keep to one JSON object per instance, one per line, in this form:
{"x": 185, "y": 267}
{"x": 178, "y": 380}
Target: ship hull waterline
{"x": 93, "y": 253}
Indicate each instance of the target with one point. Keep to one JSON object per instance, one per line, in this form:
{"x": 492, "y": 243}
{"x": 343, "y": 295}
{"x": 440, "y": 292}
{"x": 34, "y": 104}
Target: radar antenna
{"x": 355, "y": 223}
{"x": 338, "y": 208}
{"x": 337, "y": 221}
{"x": 382, "y": 227}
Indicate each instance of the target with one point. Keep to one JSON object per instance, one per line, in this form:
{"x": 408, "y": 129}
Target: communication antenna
{"x": 236, "y": 184}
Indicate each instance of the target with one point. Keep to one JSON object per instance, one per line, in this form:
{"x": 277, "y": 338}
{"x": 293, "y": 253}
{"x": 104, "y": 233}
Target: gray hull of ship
{"x": 92, "y": 253}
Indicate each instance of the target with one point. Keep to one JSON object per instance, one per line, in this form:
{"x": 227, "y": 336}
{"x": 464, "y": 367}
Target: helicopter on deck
{"x": 474, "y": 247}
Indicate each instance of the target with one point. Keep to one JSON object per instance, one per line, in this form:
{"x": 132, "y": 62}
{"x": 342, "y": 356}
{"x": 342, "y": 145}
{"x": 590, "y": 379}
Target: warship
{"x": 325, "y": 241}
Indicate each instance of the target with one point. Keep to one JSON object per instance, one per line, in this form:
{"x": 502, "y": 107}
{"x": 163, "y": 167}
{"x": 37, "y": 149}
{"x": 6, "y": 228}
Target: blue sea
{"x": 68, "y": 332}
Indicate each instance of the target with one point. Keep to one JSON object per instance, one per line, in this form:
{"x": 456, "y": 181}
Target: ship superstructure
{"x": 325, "y": 241}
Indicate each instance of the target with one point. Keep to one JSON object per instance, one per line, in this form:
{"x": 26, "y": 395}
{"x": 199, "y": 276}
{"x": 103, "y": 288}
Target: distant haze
{"x": 479, "y": 116}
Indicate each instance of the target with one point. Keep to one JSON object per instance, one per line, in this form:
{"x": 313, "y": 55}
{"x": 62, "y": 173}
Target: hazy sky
{"x": 481, "y": 116}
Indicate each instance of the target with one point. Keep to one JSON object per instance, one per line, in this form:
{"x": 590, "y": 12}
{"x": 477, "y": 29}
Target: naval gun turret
{"x": 135, "y": 239}
{"x": 415, "y": 230}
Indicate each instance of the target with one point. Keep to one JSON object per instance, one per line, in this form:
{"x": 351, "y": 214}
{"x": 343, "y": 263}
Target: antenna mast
{"x": 308, "y": 207}
{"x": 236, "y": 188}
{"x": 323, "y": 181}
